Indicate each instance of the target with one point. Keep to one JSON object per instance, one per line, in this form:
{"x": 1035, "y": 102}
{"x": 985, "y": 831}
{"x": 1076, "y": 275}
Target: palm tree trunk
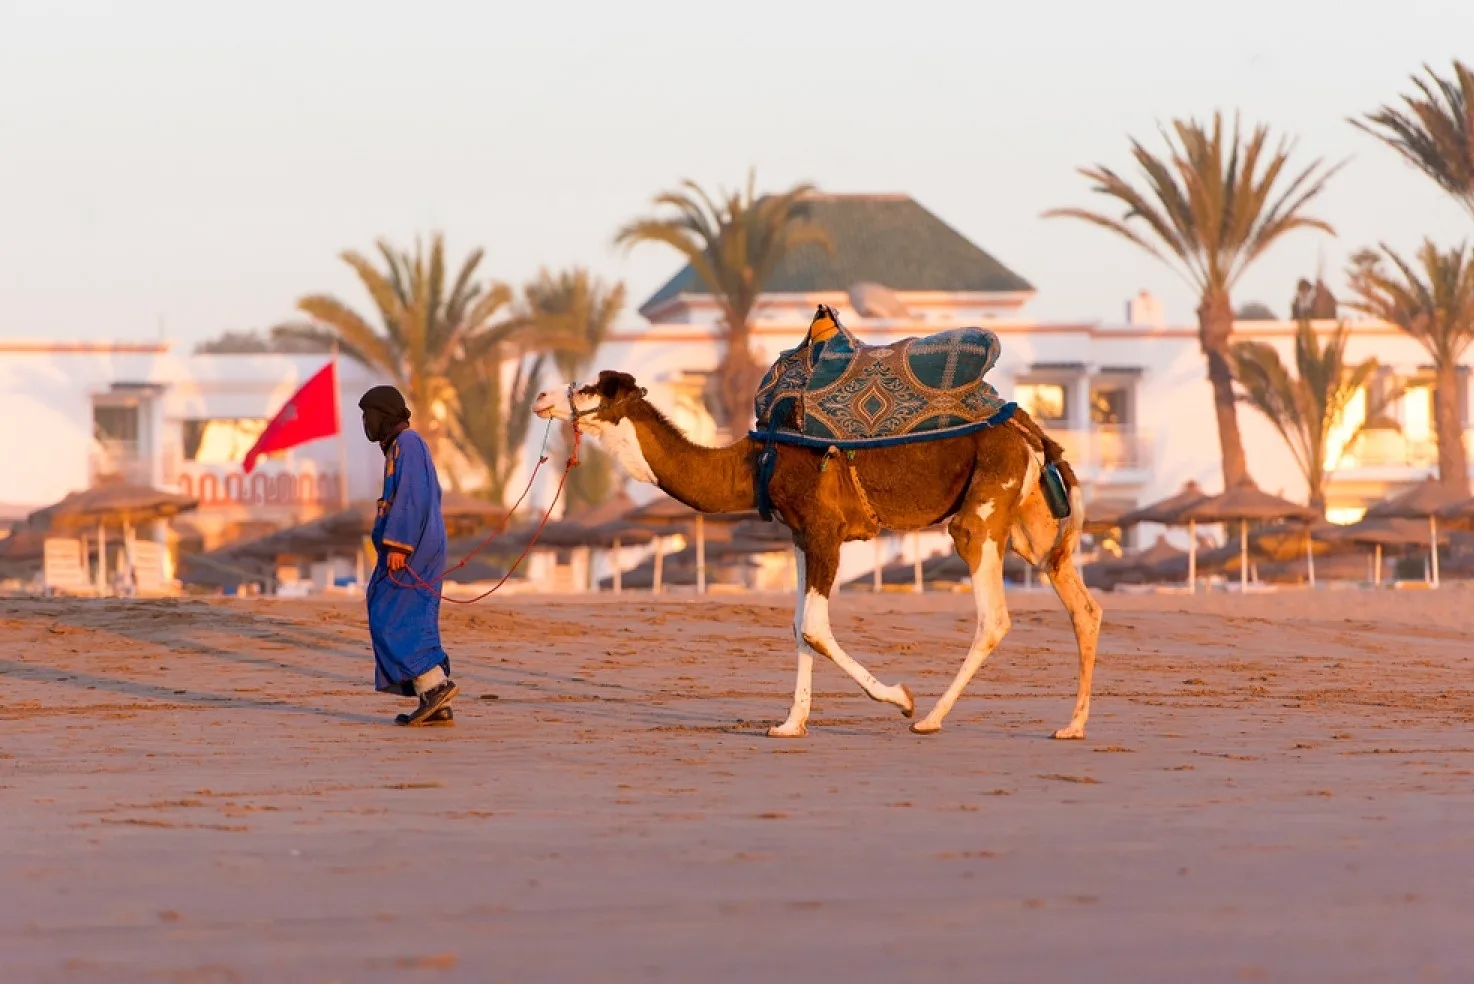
{"x": 1215, "y": 328}
{"x": 1453, "y": 462}
{"x": 738, "y": 377}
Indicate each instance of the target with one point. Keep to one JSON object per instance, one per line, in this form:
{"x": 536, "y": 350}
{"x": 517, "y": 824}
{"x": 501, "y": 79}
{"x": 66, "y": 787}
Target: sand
{"x": 1275, "y": 788}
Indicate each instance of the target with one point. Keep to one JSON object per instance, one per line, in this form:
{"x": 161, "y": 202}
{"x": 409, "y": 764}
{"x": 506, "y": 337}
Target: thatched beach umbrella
{"x": 1426, "y": 500}
{"x": 1169, "y": 512}
{"x": 670, "y": 514}
{"x": 1381, "y": 532}
{"x": 1245, "y": 503}
{"x": 116, "y": 503}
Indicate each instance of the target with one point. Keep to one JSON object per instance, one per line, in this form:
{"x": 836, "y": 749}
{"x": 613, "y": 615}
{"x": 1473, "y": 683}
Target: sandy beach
{"x": 1274, "y": 788}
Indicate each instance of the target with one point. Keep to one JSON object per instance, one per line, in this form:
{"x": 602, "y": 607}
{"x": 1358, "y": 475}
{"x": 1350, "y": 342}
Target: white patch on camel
{"x": 993, "y": 625}
{"x": 623, "y": 445}
{"x": 817, "y": 634}
{"x": 796, "y": 724}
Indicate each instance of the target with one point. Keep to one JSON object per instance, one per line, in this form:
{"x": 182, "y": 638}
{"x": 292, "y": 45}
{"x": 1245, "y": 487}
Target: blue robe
{"x": 404, "y": 622}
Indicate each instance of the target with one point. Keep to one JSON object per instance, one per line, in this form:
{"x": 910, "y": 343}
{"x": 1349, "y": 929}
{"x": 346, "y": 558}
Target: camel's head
{"x": 601, "y": 410}
{"x": 602, "y": 402}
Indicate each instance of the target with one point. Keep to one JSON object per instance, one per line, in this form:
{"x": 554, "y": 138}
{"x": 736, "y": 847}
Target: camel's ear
{"x": 612, "y": 385}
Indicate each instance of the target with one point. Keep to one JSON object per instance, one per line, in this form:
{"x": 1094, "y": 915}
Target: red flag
{"x": 311, "y": 413}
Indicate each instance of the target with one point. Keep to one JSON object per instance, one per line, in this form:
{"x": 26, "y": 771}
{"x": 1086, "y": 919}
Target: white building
{"x": 1129, "y": 399}
{"x": 87, "y": 411}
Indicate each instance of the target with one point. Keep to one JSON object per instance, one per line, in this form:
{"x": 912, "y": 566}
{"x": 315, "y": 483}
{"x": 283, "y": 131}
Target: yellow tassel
{"x": 825, "y": 324}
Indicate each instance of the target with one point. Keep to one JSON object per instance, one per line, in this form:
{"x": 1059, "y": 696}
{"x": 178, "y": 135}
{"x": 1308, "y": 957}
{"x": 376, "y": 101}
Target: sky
{"x": 178, "y": 168}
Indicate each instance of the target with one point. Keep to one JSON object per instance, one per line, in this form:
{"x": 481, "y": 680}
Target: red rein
{"x": 418, "y": 582}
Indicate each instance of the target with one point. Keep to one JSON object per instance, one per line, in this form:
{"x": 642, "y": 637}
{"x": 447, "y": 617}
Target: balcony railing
{"x": 118, "y": 461}
{"x": 1389, "y": 449}
{"x": 1106, "y": 448}
{"x": 270, "y": 484}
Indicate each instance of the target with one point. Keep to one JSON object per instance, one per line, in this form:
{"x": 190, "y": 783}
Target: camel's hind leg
{"x": 1085, "y": 616}
{"x": 979, "y": 537}
{"x": 821, "y": 567}
{"x": 1050, "y": 545}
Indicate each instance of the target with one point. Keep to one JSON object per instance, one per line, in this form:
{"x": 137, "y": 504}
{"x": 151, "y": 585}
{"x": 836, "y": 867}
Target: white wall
{"x": 49, "y": 392}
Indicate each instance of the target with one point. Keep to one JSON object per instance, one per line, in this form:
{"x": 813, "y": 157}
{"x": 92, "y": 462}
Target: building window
{"x": 115, "y": 426}
{"x": 1045, "y": 402}
{"x": 1417, "y": 411}
{"x": 1338, "y": 440}
{"x": 1110, "y": 405}
{"x": 223, "y": 441}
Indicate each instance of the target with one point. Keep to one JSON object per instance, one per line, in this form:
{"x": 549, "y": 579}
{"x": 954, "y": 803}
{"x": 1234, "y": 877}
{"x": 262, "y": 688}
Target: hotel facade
{"x": 1127, "y": 397}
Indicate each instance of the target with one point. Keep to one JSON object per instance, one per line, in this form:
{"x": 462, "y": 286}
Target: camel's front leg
{"x": 986, "y": 571}
{"x": 796, "y": 726}
{"x": 821, "y": 565}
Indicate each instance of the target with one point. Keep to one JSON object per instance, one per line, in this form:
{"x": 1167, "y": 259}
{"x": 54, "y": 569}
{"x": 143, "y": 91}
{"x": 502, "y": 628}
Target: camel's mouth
{"x": 547, "y": 405}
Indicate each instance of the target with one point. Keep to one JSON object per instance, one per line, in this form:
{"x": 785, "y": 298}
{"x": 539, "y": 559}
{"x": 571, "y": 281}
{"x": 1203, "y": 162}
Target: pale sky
{"x": 201, "y": 164}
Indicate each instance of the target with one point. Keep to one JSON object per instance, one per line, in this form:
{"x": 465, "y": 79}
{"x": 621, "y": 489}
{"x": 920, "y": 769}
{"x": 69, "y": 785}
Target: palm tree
{"x": 1435, "y": 132}
{"x": 1435, "y": 306}
{"x": 1212, "y": 207}
{"x": 576, "y": 306}
{"x": 427, "y": 326}
{"x": 492, "y": 412}
{"x": 734, "y": 246}
{"x": 1308, "y": 407}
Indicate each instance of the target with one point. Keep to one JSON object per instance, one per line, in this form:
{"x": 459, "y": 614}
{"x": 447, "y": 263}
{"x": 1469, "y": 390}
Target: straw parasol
{"x": 1381, "y": 532}
{"x": 1245, "y": 503}
{"x": 1169, "y": 512}
{"x": 1426, "y": 500}
{"x": 122, "y": 504}
{"x": 1105, "y": 515}
{"x": 669, "y": 515}
{"x": 118, "y": 502}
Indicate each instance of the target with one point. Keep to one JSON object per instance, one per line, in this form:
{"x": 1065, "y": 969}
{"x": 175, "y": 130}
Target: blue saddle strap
{"x": 767, "y": 462}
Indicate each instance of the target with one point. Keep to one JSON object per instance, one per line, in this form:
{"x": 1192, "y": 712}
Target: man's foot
{"x": 443, "y": 718}
{"x": 432, "y": 701}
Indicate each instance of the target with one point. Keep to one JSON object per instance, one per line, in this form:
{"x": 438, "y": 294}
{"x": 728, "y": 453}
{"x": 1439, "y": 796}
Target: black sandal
{"x": 431, "y": 701}
{"x": 442, "y": 718}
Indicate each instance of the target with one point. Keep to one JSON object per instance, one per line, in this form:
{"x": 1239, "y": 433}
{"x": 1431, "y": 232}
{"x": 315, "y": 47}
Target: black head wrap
{"x": 383, "y": 412}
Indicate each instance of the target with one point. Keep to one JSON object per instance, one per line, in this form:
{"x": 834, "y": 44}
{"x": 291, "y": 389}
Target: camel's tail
{"x": 1054, "y": 454}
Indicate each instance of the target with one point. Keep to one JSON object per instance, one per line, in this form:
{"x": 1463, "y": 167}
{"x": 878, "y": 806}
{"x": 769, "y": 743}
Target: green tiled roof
{"x": 884, "y": 239}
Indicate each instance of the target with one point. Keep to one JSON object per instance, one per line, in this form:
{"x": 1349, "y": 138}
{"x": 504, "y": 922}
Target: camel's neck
{"x": 709, "y": 480}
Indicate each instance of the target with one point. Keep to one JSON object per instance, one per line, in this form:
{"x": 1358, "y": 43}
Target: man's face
{"x": 369, "y": 425}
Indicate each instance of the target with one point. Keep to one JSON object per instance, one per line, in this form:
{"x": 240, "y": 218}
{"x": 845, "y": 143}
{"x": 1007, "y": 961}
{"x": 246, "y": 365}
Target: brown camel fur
{"x": 986, "y": 482}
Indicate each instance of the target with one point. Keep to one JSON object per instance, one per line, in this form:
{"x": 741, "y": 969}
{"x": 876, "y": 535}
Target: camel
{"x": 988, "y": 483}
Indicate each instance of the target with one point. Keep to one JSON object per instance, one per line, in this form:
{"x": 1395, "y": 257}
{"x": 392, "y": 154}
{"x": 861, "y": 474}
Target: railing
{"x": 118, "y": 461}
{"x": 268, "y": 485}
{"x": 1106, "y": 448}
{"x": 1389, "y": 449}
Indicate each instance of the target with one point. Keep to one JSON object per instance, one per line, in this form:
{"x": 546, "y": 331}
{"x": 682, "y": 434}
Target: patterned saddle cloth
{"x": 833, "y": 390}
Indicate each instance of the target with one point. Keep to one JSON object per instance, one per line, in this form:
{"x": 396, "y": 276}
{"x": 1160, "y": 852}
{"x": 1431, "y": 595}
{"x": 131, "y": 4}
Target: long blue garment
{"x": 404, "y": 622}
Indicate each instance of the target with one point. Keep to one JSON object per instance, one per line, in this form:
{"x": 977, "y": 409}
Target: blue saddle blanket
{"x": 840, "y": 392}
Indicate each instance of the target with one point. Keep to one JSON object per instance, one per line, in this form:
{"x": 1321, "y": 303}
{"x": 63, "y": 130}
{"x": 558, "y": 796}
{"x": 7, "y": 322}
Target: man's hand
{"x": 397, "y": 560}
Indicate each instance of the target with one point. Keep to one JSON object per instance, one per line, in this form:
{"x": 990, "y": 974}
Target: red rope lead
{"x": 419, "y": 582}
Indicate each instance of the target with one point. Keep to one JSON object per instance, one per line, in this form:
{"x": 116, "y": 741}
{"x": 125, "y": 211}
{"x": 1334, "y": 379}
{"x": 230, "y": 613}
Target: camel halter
{"x": 575, "y": 414}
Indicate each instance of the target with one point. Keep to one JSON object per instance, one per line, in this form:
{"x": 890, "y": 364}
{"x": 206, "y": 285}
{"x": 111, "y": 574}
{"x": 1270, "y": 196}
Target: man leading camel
{"x": 409, "y": 535}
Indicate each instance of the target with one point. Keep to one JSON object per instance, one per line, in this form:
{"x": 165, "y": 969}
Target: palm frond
{"x": 1434, "y": 130}
{"x": 1213, "y": 204}
{"x": 380, "y": 352}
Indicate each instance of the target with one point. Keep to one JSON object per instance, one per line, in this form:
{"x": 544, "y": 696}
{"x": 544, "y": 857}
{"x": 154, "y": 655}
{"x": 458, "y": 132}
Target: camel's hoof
{"x": 778, "y": 731}
{"x": 1064, "y": 734}
{"x": 925, "y": 728}
{"x": 910, "y": 709}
